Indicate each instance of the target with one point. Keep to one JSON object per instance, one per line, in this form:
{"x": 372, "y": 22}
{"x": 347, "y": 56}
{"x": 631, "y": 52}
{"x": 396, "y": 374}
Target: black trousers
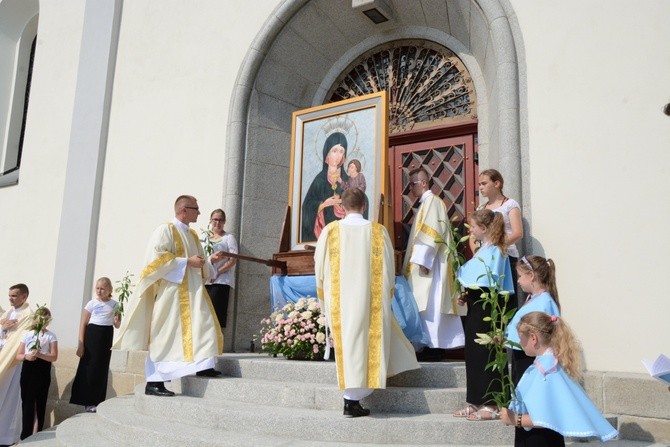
{"x": 35, "y": 382}
{"x": 219, "y": 294}
{"x": 479, "y": 380}
{"x": 537, "y": 437}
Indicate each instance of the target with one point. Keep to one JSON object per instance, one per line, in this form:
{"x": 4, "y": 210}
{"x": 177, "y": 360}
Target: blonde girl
{"x": 549, "y": 403}
{"x": 488, "y": 228}
{"x": 536, "y": 277}
{"x": 98, "y": 319}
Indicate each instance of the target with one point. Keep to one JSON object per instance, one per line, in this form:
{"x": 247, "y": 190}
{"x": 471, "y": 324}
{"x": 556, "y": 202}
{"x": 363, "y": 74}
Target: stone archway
{"x": 293, "y": 63}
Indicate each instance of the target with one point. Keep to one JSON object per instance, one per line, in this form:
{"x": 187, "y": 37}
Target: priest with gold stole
{"x": 170, "y": 313}
{"x": 355, "y": 277}
{"x": 426, "y": 267}
{"x": 13, "y": 324}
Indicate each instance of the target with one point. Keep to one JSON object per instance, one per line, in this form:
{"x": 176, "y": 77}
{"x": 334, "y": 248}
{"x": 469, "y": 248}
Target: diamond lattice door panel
{"x": 449, "y": 163}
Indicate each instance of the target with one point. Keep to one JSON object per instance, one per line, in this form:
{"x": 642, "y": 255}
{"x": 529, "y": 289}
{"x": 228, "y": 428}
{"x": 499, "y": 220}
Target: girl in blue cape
{"x": 549, "y": 403}
{"x": 537, "y": 277}
{"x": 489, "y": 228}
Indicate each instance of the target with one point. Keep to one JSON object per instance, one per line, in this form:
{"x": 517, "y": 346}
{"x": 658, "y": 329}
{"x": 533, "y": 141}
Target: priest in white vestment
{"x": 426, "y": 268}
{"x": 13, "y": 324}
{"x": 170, "y": 313}
{"x": 355, "y": 276}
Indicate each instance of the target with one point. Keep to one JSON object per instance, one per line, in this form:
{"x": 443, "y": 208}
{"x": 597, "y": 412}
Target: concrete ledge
{"x": 126, "y": 371}
{"x": 644, "y": 429}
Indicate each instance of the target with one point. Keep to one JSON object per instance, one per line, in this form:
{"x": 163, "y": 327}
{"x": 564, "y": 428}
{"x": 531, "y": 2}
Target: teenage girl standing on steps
{"x": 491, "y": 184}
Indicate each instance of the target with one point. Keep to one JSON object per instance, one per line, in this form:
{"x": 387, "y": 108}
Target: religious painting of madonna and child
{"x": 335, "y": 147}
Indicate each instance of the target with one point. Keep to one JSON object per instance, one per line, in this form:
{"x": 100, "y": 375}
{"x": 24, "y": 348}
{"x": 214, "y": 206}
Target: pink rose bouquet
{"x": 297, "y": 331}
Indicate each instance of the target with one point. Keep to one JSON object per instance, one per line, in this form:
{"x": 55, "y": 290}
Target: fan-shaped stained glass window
{"x": 427, "y": 84}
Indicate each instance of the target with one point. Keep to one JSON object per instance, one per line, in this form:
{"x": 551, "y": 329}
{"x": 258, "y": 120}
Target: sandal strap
{"x": 494, "y": 412}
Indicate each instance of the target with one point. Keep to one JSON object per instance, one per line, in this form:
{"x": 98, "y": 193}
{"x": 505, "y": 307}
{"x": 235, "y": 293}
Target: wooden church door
{"x": 448, "y": 154}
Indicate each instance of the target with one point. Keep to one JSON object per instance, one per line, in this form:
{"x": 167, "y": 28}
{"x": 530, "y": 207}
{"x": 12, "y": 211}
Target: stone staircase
{"x": 265, "y": 401}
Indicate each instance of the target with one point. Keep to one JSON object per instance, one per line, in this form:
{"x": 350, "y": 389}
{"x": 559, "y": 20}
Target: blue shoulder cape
{"x": 555, "y": 401}
{"x": 473, "y": 272}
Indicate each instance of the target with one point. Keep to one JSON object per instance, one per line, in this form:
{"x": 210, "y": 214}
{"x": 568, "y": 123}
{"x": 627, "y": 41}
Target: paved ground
{"x": 48, "y": 439}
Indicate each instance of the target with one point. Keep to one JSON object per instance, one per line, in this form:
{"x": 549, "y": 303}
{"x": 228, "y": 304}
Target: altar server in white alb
{"x": 426, "y": 267}
{"x": 170, "y": 313}
{"x": 355, "y": 274}
{"x": 13, "y": 324}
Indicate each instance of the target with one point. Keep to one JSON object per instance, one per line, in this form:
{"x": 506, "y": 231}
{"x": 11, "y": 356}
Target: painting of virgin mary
{"x": 322, "y": 203}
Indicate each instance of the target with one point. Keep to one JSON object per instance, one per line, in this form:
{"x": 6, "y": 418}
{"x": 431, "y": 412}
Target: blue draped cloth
{"x": 285, "y": 289}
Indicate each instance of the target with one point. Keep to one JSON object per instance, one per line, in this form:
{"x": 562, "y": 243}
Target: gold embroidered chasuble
{"x": 13, "y": 340}
{"x": 354, "y": 268}
{"x": 174, "y": 321}
{"x": 431, "y": 223}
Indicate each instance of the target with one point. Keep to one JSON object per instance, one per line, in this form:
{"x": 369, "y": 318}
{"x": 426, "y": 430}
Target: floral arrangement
{"x": 499, "y": 318}
{"x": 41, "y": 318}
{"x": 124, "y": 292}
{"x": 297, "y": 331}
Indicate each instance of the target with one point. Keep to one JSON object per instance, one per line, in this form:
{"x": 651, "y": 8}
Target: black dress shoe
{"x": 353, "y": 409}
{"x": 211, "y": 372}
{"x": 153, "y": 390}
{"x": 431, "y": 355}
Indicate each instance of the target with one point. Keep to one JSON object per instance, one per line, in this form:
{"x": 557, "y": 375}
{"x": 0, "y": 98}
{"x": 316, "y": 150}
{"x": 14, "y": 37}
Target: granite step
{"x": 81, "y": 431}
{"x": 266, "y": 401}
{"x": 262, "y": 366}
{"x": 261, "y": 419}
{"x": 318, "y": 396}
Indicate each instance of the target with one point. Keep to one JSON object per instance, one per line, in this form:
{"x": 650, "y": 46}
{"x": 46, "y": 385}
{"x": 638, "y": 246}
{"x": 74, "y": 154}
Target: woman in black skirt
{"x": 94, "y": 348}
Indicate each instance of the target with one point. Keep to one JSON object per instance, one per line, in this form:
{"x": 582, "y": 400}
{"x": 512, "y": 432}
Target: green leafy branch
{"x": 123, "y": 291}
{"x": 497, "y": 301}
{"x": 207, "y": 243}
{"x": 452, "y": 240}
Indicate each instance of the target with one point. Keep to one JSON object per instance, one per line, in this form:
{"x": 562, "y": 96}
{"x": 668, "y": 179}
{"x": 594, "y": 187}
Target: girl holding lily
{"x": 489, "y": 268}
{"x": 38, "y": 350}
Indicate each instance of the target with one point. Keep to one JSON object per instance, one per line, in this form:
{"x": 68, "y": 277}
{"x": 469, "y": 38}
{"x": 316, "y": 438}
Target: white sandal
{"x": 465, "y": 412}
{"x": 485, "y": 413}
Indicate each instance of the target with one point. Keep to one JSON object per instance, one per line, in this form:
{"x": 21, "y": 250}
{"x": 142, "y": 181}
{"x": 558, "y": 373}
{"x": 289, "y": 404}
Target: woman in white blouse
{"x": 219, "y": 287}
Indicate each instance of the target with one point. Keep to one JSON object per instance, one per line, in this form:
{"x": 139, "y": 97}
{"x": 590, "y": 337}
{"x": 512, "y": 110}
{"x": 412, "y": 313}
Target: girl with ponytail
{"x": 549, "y": 403}
{"x": 489, "y": 263}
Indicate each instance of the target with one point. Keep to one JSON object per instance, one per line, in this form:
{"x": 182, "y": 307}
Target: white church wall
{"x": 598, "y": 151}
{"x": 31, "y": 209}
{"x": 176, "y": 67}
{"x": 596, "y": 76}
